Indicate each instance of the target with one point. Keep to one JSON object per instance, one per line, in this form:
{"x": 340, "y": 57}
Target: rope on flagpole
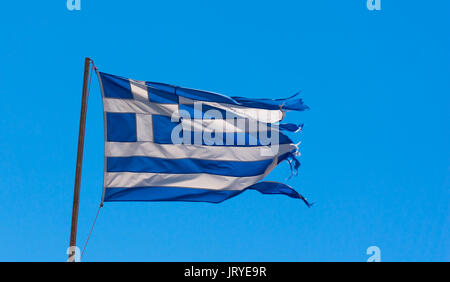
{"x": 90, "y": 80}
{"x": 90, "y": 231}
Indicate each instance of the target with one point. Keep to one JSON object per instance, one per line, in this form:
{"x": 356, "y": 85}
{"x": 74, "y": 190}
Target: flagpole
{"x": 76, "y": 193}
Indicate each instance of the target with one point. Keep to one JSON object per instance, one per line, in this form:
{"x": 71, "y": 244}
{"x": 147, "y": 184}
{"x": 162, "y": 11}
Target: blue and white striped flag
{"x": 169, "y": 143}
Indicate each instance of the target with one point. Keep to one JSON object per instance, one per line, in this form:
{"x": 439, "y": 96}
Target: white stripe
{"x": 114, "y": 105}
{"x": 144, "y": 106}
{"x": 262, "y": 115}
{"x": 139, "y": 90}
{"x": 194, "y": 180}
{"x": 226, "y": 125}
{"x": 144, "y": 127}
{"x": 181, "y": 151}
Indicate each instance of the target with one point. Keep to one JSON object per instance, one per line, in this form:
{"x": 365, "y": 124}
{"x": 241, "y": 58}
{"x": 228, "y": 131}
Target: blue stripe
{"x": 147, "y": 194}
{"x": 194, "y": 113}
{"x": 118, "y": 87}
{"x": 121, "y": 127}
{"x": 293, "y": 103}
{"x": 204, "y": 96}
{"x": 115, "y": 86}
{"x": 162, "y": 86}
{"x": 163, "y": 95}
{"x": 183, "y": 166}
{"x": 163, "y": 128}
{"x": 238, "y": 139}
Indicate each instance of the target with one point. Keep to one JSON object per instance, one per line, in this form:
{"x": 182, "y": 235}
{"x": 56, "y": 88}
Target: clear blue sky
{"x": 375, "y": 146}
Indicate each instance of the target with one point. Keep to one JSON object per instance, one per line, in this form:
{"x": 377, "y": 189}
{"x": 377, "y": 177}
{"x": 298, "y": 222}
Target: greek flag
{"x": 169, "y": 143}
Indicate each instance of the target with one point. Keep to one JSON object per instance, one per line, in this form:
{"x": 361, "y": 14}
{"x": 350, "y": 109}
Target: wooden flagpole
{"x": 76, "y": 193}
